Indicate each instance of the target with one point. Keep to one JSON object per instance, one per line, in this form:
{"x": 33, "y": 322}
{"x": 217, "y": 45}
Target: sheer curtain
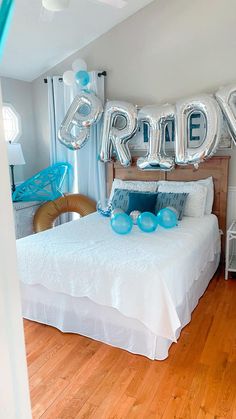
{"x": 88, "y": 175}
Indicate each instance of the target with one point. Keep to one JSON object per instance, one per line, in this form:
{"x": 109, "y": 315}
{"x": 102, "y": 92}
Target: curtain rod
{"x": 100, "y": 74}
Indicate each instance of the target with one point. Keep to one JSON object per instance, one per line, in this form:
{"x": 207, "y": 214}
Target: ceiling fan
{"x": 59, "y": 5}
{"x": 49, "y": 7}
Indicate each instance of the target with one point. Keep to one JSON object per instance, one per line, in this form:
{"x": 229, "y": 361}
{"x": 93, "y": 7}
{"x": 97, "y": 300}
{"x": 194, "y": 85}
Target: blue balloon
{"x": 167, "y": 218}
{"x": 121, "y": 223}
{"x": 82, "y": 78}
{"x": 104, "y": 208}
{"x": 147, "y": 222}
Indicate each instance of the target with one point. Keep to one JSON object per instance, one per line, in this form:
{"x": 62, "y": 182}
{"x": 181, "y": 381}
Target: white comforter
{"x": 144, "y": 276}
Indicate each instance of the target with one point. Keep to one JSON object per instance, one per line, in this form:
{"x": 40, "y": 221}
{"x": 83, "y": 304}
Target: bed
{"x": 135, "y": 292}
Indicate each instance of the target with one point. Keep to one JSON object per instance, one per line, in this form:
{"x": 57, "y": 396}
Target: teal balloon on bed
{"x": 121, "y": 223}
{"x": 147, "y": 222}
{"x": 167, "y": 218}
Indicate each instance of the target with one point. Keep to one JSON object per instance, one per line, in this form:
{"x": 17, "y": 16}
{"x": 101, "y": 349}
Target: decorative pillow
{"x": 142, "y": 201}
{"x": 133, "y": 185}
{"x": 120, "y": 199}
{"x": 196, "y": 200}
{"x": 208, "y": 182}
{"x": 170, "y": 199}
{"x": 210, "y": 193}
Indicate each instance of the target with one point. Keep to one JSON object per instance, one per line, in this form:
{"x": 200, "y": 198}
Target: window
{"x": 11, "y": 123}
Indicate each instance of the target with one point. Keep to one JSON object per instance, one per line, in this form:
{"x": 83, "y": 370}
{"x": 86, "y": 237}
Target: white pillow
{"x": 135, "y": 185}
{"x": 210, "y": 193}
{"x": 196, "y": 200}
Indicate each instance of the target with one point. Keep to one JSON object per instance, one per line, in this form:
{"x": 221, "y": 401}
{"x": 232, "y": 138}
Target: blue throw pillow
{"x": 169, "y": 199}
{"x": 120, "y": 199}
{"x": 142, "y": 201}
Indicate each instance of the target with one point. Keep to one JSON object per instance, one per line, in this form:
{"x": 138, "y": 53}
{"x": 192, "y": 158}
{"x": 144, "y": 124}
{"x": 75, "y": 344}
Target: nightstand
{"x": 23, "y": 215}
{"x": 230, "y": 256}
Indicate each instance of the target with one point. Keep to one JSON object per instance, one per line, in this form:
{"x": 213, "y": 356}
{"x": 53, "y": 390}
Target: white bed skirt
{"x": 106, "y": 324}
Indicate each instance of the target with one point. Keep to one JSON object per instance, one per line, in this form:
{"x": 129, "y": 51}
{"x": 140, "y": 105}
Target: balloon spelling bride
{"x": 156, "y": 117}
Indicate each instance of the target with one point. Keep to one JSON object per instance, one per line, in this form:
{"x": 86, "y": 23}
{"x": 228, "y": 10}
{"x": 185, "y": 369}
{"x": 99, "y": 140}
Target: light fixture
{"x": 15, "y": 158}
{"x": 55, "y": 5}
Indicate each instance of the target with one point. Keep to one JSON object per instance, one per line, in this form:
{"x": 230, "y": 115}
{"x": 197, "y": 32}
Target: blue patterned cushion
{"x": 120, "y": 199}
{"x": 142, "y": 201}
{"x": 169, "y": 199}
{"x": 129, "y": 200}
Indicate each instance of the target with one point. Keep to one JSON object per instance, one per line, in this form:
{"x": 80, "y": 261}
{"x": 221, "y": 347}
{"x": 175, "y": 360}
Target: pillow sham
{"x": 197, "y": 194}
{"x": 208, "y": 182}
{"x": 171, "y": 199}
{"x": 134, "y": 185}
{"x": 142, "y": 201}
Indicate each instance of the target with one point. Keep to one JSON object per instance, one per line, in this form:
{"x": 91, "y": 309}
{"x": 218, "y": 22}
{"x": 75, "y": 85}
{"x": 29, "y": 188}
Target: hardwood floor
{"x": 76, "y": 377}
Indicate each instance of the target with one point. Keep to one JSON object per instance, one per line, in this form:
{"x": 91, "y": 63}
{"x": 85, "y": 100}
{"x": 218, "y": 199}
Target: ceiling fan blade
{"x": 55, "y": 5}
{"x": 119, "y": 4}
{"x": 50, "y": 7}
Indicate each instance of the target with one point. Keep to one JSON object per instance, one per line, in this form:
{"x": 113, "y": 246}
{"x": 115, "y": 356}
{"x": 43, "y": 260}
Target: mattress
{"x": 143, "y": 278}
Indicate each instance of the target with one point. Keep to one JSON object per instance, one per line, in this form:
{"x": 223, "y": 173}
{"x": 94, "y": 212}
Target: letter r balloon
{"x": 117, "y": 138}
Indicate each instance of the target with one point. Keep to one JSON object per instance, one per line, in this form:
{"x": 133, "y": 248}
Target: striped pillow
{"x": 171, "y": 199}
{"x": 120, "y": 199}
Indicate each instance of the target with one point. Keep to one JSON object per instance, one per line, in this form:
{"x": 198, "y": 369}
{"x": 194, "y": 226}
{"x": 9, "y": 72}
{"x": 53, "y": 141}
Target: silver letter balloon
{"x": 85, "y": 110}
{"x": 206, "y": 105}
{"x": 119, "y": 125}
{"x": 226, "y": 97}
{"x": 156, "y": 117}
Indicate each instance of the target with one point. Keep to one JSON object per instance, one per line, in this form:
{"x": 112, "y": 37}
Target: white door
{"x": 14, "y": 391}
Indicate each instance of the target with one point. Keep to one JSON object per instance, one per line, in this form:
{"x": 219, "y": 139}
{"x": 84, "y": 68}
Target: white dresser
{"x": 24, "y": 214}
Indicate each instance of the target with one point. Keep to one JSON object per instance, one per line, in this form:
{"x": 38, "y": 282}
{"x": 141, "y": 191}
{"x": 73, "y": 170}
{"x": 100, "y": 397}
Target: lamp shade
{"x": 15, "y": 154}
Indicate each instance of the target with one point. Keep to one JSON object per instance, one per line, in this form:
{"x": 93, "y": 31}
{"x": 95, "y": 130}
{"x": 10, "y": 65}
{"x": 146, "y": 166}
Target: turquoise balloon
{"x": 121, "y": 223}
{"x": 147, "y": 222}
{"x": 167, "y": 218}
{"x": 82, "y": 78}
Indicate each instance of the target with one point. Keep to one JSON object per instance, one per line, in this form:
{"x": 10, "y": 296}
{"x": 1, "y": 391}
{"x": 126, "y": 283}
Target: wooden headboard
{"x": 217, "y": 167}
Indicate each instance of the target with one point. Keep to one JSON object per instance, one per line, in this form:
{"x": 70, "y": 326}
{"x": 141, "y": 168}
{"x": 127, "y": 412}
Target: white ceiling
{"x": 35, "y": 45}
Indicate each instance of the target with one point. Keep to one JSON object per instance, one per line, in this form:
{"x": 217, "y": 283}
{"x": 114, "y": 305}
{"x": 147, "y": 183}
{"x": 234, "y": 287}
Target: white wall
{"x": 19, "y": 94}
{"x": 169, "y": 49}
{"x": 14, "y": 391}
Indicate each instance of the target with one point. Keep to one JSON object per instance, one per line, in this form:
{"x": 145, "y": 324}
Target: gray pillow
{"x": 120, "y": 199}
{"x": 170, "y": 199}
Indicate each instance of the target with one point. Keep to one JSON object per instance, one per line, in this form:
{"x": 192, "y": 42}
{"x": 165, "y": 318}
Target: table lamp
{"x": 15, "y": 158}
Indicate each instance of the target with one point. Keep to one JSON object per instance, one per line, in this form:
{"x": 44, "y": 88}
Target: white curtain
{"x": 88, "y": 175}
